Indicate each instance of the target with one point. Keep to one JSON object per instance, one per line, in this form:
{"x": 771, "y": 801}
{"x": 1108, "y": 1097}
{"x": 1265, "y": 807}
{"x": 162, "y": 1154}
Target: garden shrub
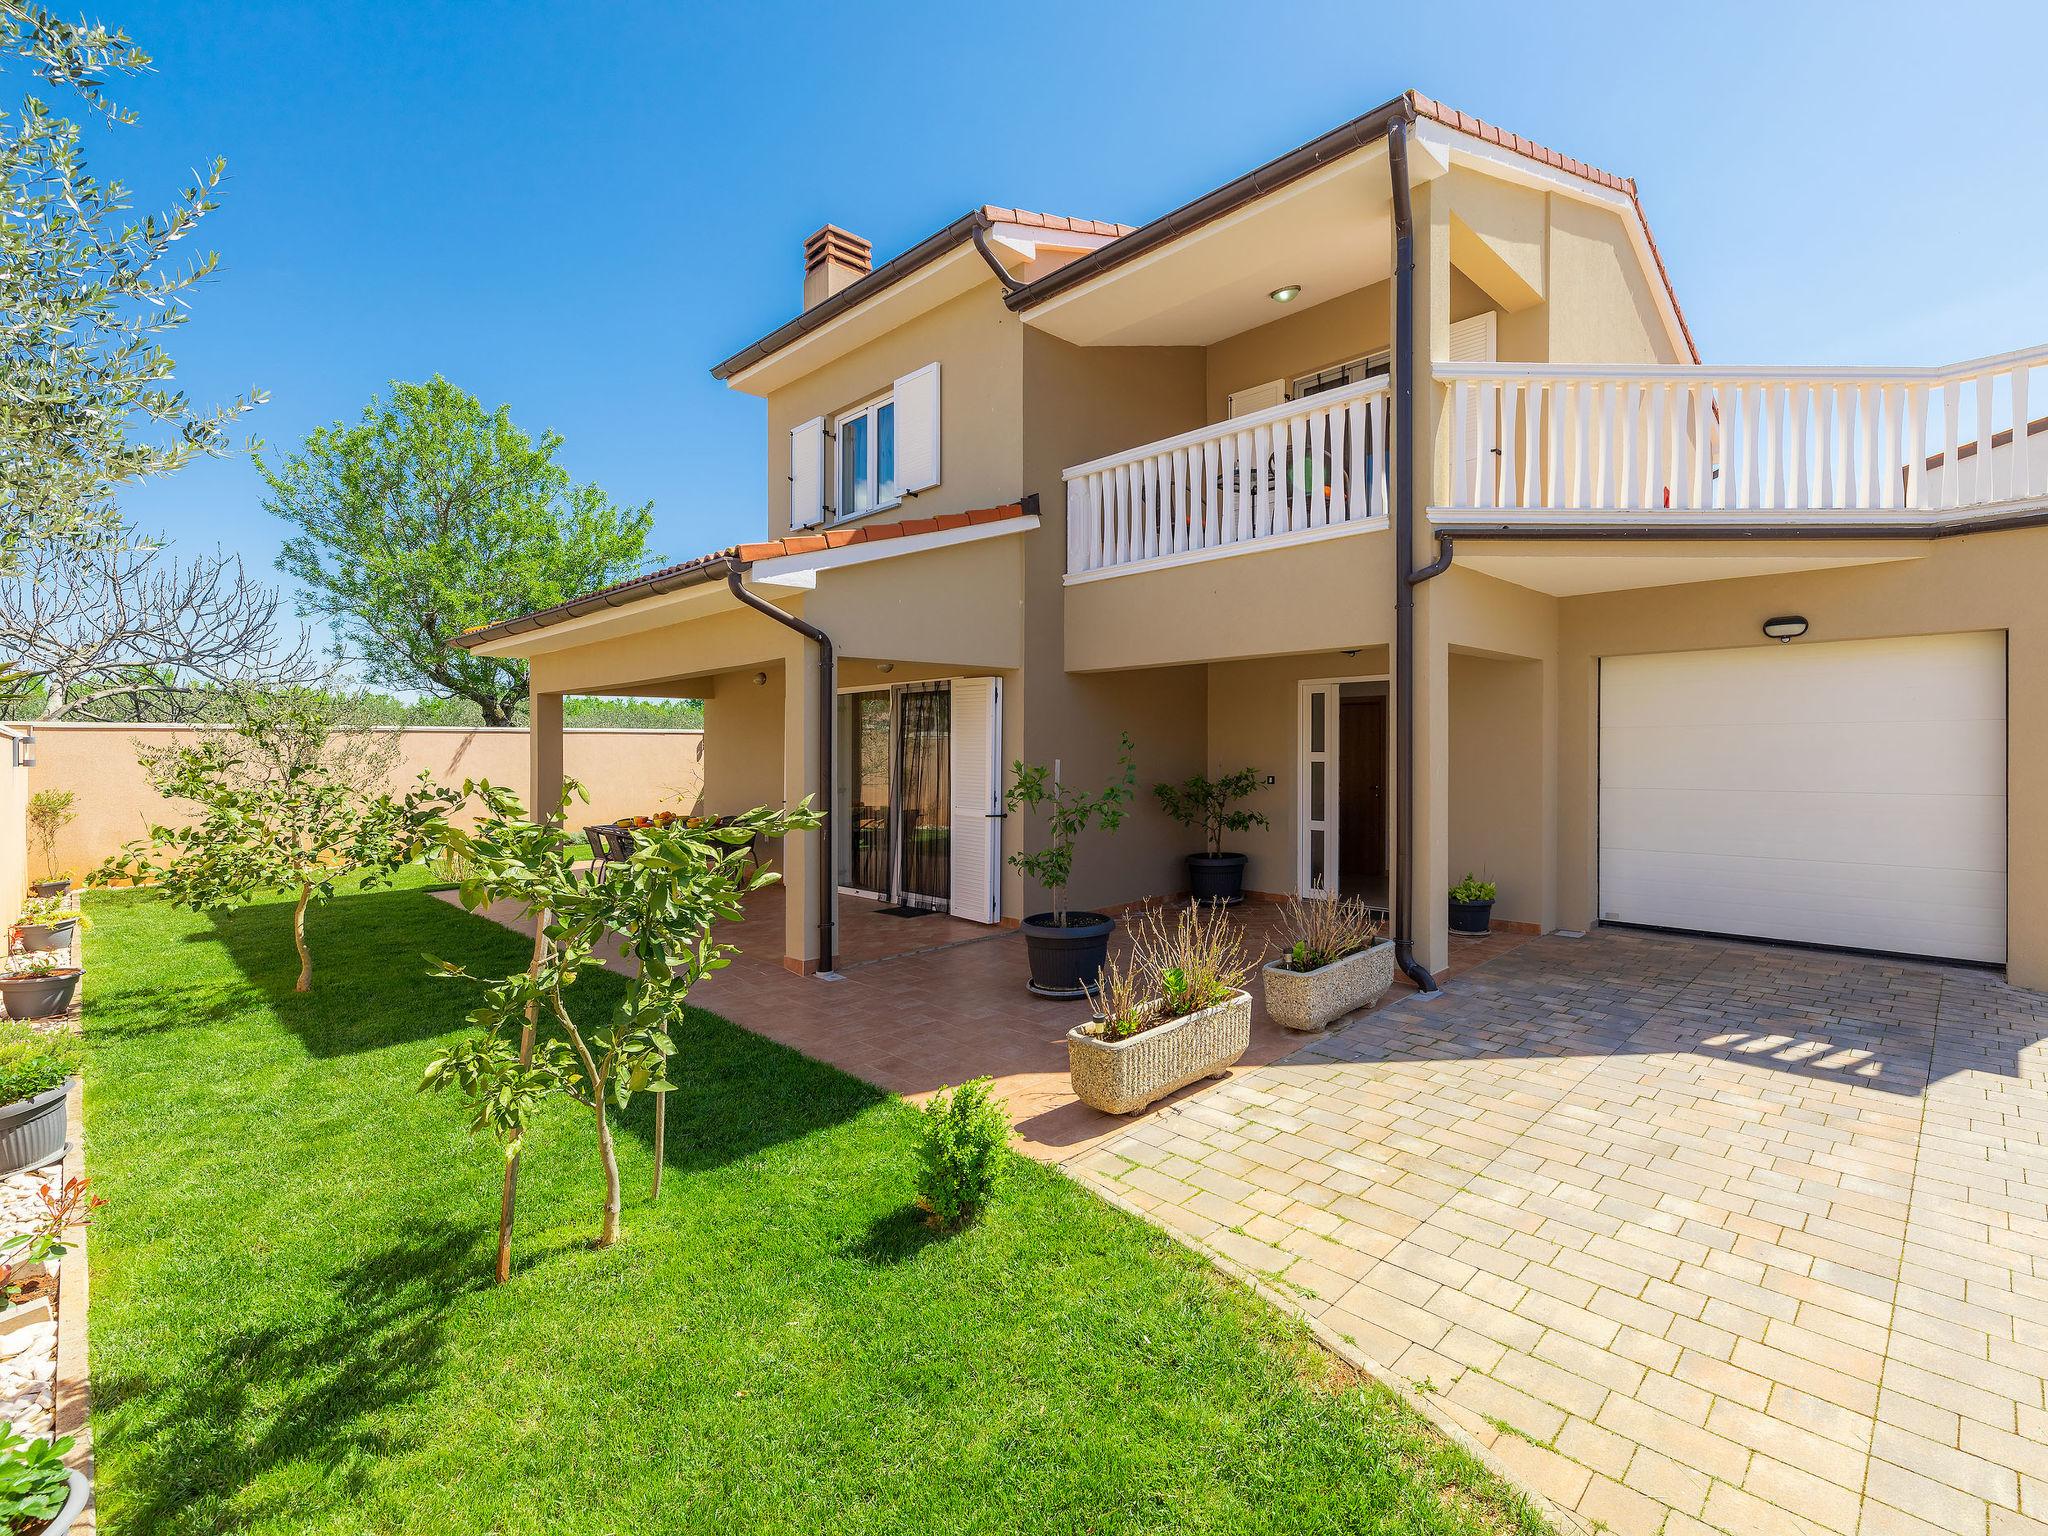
{"x": 962, "y": 1137}
{"x": 32, "y": 1063}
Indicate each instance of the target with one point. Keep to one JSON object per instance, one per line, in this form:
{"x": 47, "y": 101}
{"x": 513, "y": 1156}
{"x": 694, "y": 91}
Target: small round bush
{"x": 962, "y": 1137}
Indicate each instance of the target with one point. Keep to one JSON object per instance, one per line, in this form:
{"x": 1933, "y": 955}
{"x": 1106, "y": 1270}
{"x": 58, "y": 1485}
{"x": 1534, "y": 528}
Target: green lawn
{"x": 292, "y": 1328}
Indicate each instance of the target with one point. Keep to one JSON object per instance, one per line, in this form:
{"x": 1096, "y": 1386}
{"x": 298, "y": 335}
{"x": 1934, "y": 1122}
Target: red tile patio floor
{"x": 928, "y": 1002}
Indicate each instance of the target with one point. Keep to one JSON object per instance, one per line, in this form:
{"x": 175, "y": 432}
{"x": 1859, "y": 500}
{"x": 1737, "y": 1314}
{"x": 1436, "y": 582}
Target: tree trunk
{"x": 507, "y": 1200}
{"x": 608, "y": 1154}
{"x": 660, "y": 1140}
{"x": 495, "y": 712}
{"x": 299, "y": 939}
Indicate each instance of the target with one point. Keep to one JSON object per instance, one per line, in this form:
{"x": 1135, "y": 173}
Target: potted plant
{"x": 1213, "y": 875}
{"x": 1472, "y": 905}
{"x": 1174, "y": 1013}
{"x": 36, "y": 986}
{"x": 39, "y": 1495}
{"x": 1334, "y": 962}
{"x": 49, "y": 812}
{"x": 46, "y": 923}
{"x": 35, "y": 1082}
{"x": 1066, "y": 949}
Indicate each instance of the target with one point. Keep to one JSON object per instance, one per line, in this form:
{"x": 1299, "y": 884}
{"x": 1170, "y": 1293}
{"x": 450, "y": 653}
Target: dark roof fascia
{"x": 1274, "y": 174}
{"x": 712, "y": 568}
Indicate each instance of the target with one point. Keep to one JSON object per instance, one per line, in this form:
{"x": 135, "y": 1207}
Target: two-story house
{"x": 1390, "y": 470}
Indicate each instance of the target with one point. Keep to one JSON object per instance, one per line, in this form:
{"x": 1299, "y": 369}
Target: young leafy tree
{"x": 88, "y": 291}
{"x": 1211, "y": 805}
{"x": 1068, "y": 813}
{"x": 432, "y": 516}
{"x": 283, "y": 802}
{"x": 659, "y": 909}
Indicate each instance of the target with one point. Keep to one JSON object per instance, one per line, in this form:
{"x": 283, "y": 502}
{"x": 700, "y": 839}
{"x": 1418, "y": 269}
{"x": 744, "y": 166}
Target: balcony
{"x": 1550, "y": 444}
{"x": 1302, "y": 470}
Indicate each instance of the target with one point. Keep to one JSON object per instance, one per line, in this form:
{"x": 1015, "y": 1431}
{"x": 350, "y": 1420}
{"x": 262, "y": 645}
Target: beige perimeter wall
{"x": 625, "y": 773}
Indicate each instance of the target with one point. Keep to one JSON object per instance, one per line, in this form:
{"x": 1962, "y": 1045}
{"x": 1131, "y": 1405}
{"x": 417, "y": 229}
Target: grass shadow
{"x": 895, "y": 1238}
{"x": 295, "y": 1390}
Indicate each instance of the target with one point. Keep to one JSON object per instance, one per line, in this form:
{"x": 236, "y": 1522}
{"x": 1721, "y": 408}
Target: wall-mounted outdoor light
{"x": 760, "y": 679}
{"x": 885, "y": 667}
{"x": 25, "y": 749}
{"x": 1786, "y": 627}
{"x": 1286, "y": 293}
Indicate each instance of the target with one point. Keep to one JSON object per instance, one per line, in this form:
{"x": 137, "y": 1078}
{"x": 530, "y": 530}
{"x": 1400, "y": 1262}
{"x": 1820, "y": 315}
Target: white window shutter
{"x": 977, "y": 890}
{"x": 807, "y": 473}
{"x": 1472, "y": 341}
{"x": 917, "y": 429}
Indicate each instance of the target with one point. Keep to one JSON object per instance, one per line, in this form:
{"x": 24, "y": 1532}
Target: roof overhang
{"x": 1327, "y": 231}
{"x": 1437, "y": 147}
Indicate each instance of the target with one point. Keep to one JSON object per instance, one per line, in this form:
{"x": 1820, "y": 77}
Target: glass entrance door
{"x": 924, "y": 795}
{"x": 865, "y": 851}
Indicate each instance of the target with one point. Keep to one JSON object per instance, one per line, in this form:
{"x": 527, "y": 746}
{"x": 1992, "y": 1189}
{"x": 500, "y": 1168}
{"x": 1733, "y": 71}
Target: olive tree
{"x": 659, "y": 909}
{"x": 89, "y": 292}
{"x": 284, "y": 801}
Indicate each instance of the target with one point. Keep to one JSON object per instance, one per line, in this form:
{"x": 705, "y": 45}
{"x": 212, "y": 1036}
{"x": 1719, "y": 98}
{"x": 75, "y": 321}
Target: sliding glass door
{"x": 894, "y": 794}
{"x": 865, "y": 850}
{"x": 924, "y": 795}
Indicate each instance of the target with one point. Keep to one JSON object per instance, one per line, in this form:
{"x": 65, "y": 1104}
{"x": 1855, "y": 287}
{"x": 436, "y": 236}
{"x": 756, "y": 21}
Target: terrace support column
{"x": 544, "y": 755}
{"x": 803, "y": 728}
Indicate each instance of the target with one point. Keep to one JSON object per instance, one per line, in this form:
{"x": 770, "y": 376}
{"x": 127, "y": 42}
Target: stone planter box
{"x": 1121, "y": 1077}
{"x": 32, "y": 1132}
{"x": 1313, "y": 1000}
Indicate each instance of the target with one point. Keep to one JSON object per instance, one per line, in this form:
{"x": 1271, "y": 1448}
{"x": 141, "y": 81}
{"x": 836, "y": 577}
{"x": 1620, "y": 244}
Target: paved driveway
{"x": 1693, "y": 1235}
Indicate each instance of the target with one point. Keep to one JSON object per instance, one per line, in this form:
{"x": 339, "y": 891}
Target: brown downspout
{"x": 1405, "y": 574}
{"x": 827, "y": 705}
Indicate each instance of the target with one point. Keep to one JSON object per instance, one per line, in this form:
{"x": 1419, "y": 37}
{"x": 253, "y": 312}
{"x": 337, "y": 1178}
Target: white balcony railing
{"x": 1289, "y": 472}
{"x": 1831, "y": 444}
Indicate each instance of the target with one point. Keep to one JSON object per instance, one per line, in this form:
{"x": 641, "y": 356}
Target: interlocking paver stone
{"x": 1695, "y": 1236}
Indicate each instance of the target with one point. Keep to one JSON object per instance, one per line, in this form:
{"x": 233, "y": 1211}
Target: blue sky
{"x": 577, "y": 210}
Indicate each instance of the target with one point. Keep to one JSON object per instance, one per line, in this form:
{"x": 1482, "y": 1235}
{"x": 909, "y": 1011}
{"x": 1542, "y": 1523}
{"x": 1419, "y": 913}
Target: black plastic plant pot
{"x": 32, "y": 1131}
{"x": 37, "y": 937}
{"x": 39, "y": 997}
{"x": 52, "y": 887}
{"x": 1067, "y": 958}
{"x": 1471, "y": 916}
{"x": 1217, "y": 878}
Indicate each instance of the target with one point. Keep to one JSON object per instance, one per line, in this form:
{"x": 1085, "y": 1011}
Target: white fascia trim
{"x": 1447, "y": 145}
{"x": 1258, "y": 206}
{"x": 1252, "y": 546}
{"x": 802, "y": 570}
{"x": 1595, "y": 519}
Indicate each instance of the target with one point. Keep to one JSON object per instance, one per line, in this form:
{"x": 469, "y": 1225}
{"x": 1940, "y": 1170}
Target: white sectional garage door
{"x": 1848, "y": 793}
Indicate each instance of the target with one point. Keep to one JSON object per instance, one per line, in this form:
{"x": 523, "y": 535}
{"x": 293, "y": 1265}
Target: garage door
{"x": 1848, "y": 793}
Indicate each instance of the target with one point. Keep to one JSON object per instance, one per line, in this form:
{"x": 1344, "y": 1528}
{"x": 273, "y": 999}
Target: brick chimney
{"x": 834, "y": 259}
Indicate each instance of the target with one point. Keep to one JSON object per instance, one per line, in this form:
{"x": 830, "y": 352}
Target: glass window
{"x": 867, "y": 459}
{"x": 885, "y": 453}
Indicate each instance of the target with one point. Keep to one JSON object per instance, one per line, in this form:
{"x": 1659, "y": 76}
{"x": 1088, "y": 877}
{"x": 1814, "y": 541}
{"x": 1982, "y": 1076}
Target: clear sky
{"x": 578, "y": 209}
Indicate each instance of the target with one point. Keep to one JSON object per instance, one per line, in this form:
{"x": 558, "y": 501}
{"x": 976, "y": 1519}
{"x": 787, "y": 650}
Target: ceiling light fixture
{"x": 1785, "y": 628}
{"x": 1285, "y": 293}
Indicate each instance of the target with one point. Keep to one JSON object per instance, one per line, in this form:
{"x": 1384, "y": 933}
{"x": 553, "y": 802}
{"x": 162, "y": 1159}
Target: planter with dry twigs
{"x": 1172, "y": 1014}
{"x": 1334, "y": 963}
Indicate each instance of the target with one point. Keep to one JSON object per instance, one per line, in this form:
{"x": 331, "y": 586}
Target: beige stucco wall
{"x": 624, "y": 772}
{"x": 976, "y": 342}
{"x": 743, "y": 759}
{"x": 19, "y": 863}
{"x": 1497, "y": 778}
